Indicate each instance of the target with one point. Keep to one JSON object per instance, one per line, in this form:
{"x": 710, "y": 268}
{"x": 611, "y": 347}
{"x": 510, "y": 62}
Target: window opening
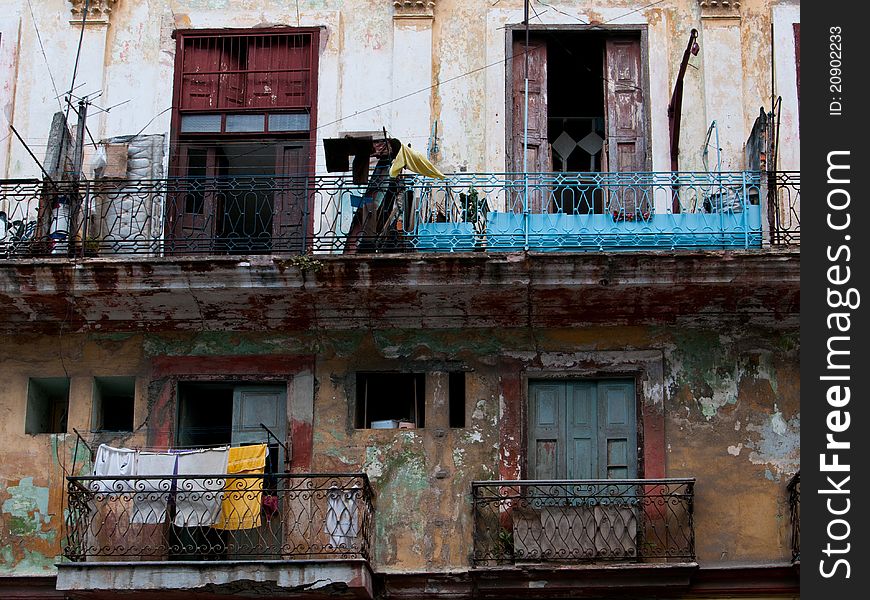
{"x": 390, "y": 400}
{"x": 47, "y": 405}
{"x": 114, "y": 399}
{"x": 217, "y": 413}
{"x": 456, "y": 400}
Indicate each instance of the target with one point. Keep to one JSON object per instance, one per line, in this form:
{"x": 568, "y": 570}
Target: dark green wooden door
{"x": 582, "y": 429}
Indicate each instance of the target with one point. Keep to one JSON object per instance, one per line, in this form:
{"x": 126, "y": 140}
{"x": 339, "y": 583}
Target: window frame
{"x": 308, "y": 136}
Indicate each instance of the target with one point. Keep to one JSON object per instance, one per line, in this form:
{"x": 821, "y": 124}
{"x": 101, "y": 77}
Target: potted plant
{"x": 92, "y": 246}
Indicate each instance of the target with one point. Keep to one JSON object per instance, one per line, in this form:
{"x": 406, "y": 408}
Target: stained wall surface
{"x": 727, "y": 399}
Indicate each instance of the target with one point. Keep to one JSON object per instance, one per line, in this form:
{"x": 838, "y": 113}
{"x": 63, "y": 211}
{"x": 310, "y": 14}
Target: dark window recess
{"x": 47, "y": 405}
{"x": 390, "y": 400}
{"x": 456, "y": 402}
{"x": 113, "y": 403}
{"x": 205, "y": 414}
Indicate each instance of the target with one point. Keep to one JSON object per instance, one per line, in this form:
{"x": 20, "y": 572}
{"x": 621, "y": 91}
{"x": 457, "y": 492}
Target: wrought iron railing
{"x": 211, "y": 517}
{"x": 591, "y": 521}
{"x": 794, "y": 505}
{"x": 784, "y": 207}
{"x": 464, "y": 212}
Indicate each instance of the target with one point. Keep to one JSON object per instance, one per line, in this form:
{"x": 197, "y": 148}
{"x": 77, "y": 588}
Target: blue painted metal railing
{"x": 590, "y": 211}
{"x": 329, "y": 214}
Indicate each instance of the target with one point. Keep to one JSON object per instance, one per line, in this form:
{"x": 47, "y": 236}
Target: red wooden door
{"x": 290, "y": 222}
{"x": 538, "y": 146}
{"x": 200, "y": 79}
{"x": 197, "y": 209}
{"x": 278, "y": 72}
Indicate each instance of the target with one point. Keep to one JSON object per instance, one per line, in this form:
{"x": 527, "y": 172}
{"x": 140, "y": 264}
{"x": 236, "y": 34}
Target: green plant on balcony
{"x": 505, "y": 543}
{"x": 306, "y": 263}
{"x": 474, "y": 208}
{"x": 92, "y": 246}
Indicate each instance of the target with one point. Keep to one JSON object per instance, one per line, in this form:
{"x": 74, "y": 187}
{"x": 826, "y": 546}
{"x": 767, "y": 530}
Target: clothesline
{"x": 204, "y": 504}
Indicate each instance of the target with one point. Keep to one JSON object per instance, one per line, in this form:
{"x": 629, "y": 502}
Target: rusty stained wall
{"x": 731, "y": 419}
{"x": 34, "y": 466}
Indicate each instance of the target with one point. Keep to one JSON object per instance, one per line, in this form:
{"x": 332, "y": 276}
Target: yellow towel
{"x": 414, "y": 161}
{"x": 242, "y": 500}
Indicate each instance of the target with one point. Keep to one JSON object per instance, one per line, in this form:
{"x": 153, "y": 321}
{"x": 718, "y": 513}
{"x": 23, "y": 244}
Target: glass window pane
{"x": 245, "y": 123}
{"x": 200, "y": 123}
{"x": 289, "y": 122}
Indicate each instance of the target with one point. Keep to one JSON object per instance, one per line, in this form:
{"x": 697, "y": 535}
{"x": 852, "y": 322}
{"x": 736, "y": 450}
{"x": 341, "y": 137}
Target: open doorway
{"x": 233, "y": 413}
{"x": 587, "y": 105}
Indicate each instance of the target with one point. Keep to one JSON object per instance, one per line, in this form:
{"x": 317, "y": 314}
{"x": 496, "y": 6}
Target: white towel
{"x": 152, "y": 495}
{"x": 342, "y": 517}
{"x": 114, "y": 466}
{"x": 198, "y": 501}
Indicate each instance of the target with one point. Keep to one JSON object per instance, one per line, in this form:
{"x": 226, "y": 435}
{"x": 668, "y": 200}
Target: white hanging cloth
{"x": 114, "y": 466}
{"x": 151, "y": 496}
{"x": 198, "y": 501}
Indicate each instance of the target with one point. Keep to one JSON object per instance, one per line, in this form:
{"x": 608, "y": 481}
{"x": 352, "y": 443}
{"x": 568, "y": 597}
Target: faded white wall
{"x": 367, "y": 59}
{"x": 10, "y": 25}
{"x": 785, "y": 73}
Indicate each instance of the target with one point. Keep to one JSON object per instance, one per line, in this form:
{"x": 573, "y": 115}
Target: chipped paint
{"x": 777, "y": 444}
{"x": 26, "y": 509}
{"x": 422, "y": 477}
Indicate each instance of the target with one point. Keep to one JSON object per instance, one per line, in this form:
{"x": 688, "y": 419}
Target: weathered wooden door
{"x": 624, "y": 115}
{"x": 253, "y": 405}
{"x": 196, "y": 205}
{"x": 291, "y": 198}
{"x": 538, "y": 146}
{"x": 625, "y": 122}
{"x": 582, "y": 430}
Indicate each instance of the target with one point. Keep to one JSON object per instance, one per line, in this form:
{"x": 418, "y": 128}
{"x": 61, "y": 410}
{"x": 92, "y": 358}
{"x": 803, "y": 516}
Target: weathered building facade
{"x": 568, "y": 368}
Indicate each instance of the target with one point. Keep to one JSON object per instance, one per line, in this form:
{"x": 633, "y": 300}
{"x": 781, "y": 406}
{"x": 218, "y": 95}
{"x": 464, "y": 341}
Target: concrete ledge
{"x": 207, "y": 579}
{"x": 409, "y": 291}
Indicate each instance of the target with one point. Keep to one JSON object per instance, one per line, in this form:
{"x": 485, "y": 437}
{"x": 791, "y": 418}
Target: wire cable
{"x": 44, "y": 56}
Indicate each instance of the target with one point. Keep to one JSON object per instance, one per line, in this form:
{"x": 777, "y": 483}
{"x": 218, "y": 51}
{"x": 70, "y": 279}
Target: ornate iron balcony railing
{"x": 211, "y": 517}
{"x": 584, "y": 521}
{"x": 464, "y": 212}
{"x": 794, "y": 505}
{"x": 784, "y": 207}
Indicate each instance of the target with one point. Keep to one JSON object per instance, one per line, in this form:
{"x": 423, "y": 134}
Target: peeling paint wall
{"x": 34, "y": 466}
{"x": 727, "y": 397}
{"x": 448, "y": 68}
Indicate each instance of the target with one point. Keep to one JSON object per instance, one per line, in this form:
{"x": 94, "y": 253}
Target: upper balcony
{"x": 210, "y": 534}
{"x": 259, "y": 253}
{"x": 466, "y": 212}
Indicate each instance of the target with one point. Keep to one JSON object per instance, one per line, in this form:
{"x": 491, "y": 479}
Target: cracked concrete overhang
{"x": 408, "y": 291}
{"x": 204, "y": 580}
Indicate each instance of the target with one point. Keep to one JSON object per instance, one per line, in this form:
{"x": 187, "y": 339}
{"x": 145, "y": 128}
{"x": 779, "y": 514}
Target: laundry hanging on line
{"x": 151, "y": 499}
{"x": 412, "y": 160}
{"x": 198, "y": 502}
{"x": 114, "y": 466}
{"x": 242, "y": 500}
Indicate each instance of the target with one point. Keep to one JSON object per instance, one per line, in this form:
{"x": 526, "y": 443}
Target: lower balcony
{"x": 210, "y": 535}
{"x": 495, "y": 212}
{"x": 584, "y": 521}
{"x": 633, "y": 534}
